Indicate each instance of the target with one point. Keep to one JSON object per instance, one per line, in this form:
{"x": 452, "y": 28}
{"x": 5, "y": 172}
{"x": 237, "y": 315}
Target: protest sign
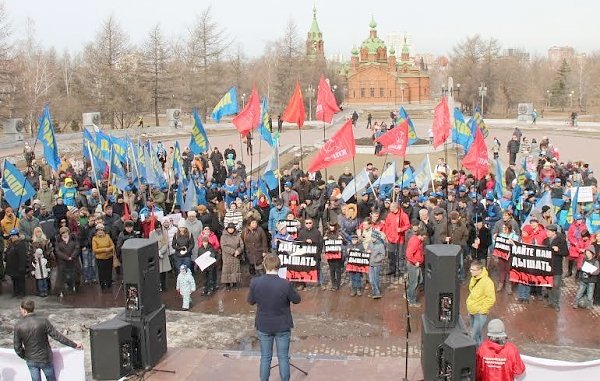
{"x": 531, "y": 265}
{"x": 333, "y": 249}
{"x": 358, "y": 261}
{"x": 205, "y": 260}
{"x": 300, "y": 260}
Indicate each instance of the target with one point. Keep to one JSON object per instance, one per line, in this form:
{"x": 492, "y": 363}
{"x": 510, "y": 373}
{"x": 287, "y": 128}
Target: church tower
{"x": 314, "y": 41}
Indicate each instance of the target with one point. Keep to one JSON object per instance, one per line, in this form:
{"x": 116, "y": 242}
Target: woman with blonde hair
{"x": 104, "y": 250}
{"x": 160, "y": 234}
{"x": 348, "y": 222}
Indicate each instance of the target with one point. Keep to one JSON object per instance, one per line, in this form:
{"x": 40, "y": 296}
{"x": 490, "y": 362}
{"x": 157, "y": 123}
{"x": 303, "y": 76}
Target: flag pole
{"x": 249, "y": 145}
{"x": 23, "y": 185}
{"x": 383, "y": 168}
{"x": 430, "y": 173}
{"x": 301, "y": 153}
{"x": 241, "y": 148}
{"x": 402, "y": 178}
{"x": 324, "y": 140}
{"x": 355, "y": 174}
{"x": 278, "y": 182}
{"x": 92, "y": 163}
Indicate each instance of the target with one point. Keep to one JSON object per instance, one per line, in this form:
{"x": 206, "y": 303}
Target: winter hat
{"x": 39, "y": 251}
{"x": 496, "y": 329}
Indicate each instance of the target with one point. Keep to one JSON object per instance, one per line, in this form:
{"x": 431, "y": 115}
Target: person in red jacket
{"x": 395, "y": 225}
{"x": 414, "y": 261}
{"x": 497, "y": 359}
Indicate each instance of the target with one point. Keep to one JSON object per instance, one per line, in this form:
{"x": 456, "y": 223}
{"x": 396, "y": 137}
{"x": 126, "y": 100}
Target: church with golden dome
{"x": 376, "y": 76}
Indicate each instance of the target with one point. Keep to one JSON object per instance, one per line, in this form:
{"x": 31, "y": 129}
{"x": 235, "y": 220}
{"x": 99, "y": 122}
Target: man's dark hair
{"x": 28, "y": 305}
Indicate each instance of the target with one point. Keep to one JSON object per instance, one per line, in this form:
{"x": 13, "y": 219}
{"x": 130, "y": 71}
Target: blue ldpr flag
{"x": 116, "y": 168}
{"x": 120, "y": 148}
{"x": 461, "y": 133}
{"x": 91, "y": 151}
{"x": 199, "y": 140}
{"x": 15, "y": 187}
{"x": 500, "y": 185}
{"x": 412, "y": 134}
{"x": 104, "y": 143}
{"x": 264, "y": 120}
{"x": 46, "y": 136}
{"x": 228, "y": 105}
{"x": 190, "y": 197}
{"x": 177, "y": 161}
{"x": 271, "y": 173}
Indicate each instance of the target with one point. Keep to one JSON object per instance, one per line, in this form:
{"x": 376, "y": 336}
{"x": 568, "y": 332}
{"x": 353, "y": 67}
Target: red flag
{"x": 477, "y": 160}
{"x": 395, "y": 140}
{"x": 339, "y": 148}
{"x": 326, "y": 103}
{"x": 441, "y": 123}
{"x": 249, "y": 118}
{"x": 294, "y": 112}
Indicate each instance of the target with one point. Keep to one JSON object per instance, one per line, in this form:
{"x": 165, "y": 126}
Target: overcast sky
{"x": 434, "y": 26}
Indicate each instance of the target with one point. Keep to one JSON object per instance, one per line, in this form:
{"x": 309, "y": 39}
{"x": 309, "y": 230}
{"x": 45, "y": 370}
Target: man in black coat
{"x": 513, "y": 148}
{"x": 558, "y": 244}
{"x": 273, "y": 320}
{"x": 16, "y": 262}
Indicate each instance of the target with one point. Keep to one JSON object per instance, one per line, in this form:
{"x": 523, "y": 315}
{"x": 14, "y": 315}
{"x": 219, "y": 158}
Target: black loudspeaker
{"x": 457, "y": 358}
{"x": 112, "y": 349}
{"x": 432, "y": 338}
{"x": 141, "y": 277}
{"x": 442, "y": 292}
{"x": 149, "y": 337}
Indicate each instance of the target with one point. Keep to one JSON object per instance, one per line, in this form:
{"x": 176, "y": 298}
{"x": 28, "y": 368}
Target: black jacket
{"x": 557, "y": 257}
{"x": 31, "y": 339}
{"x": 16, "y": 258}
{"x": 273, "y": 296}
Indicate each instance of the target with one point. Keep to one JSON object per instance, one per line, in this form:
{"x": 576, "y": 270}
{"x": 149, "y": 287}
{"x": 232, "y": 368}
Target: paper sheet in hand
{"x": 282, "y": 272}
{"x": 588, "y": 268}
{"x": 205, "y": 260}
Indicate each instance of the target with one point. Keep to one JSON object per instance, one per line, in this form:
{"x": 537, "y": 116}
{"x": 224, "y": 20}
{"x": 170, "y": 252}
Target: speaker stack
{"x": 446, "y": 349}
{"x": 140, "y": 331}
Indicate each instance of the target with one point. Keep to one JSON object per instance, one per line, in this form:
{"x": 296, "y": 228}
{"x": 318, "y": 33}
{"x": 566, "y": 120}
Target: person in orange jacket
{"x": 395, "y": 225}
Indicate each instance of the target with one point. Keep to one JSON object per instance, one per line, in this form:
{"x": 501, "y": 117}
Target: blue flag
{"x": 190, "y": 197}
{"x": 199, "y": 141}
{"x": 179, "y": 194}
{"x": 92, "y": 153}
{"x": 46, "y": 136}
{"x": 406, "y": 177}
{"x": 271, "y": 173}
{"x": 16, "y": 188}
{"x": 264, "y": 120}
{"x": 103, "y": 142}
{"x": 388, "y": 176}
{"x": 120, "y": 148}
{"x": 177, "y": 161}
{"x": 116, "y": 168}
{"x": 412, "y": 134}
{"x": 261, "y": 188}
{"x": 461, "y": 133}
{"x": 574, "y": 198}
{"x": 500, "y": 185}
{"x": 228, "y": 105}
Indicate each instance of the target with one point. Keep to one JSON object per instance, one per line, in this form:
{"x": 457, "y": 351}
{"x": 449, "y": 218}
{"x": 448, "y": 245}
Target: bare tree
{"x": 288, "y": 68}
{"x": 206, "y": 47}
{"x": 155, "y": 63}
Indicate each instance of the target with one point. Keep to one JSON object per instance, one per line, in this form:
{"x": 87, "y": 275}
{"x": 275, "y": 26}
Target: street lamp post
{"x": 310, "y": 92}
{"x": 482, "y": 93}
{"x": 444, "y": 91}
{"x": 548, "y": 98}
{"x": 571, "y": 97}
{"x": 243, "y": 100}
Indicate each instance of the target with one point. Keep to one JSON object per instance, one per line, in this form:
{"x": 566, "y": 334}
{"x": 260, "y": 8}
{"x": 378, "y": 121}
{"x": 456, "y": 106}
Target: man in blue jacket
{"x": 273, "y": 321}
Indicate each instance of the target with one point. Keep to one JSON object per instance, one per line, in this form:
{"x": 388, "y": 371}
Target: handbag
{"x": 116, "y": 261}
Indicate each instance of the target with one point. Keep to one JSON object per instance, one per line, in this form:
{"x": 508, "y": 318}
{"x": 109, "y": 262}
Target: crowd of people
{"x": 72, "y": 232}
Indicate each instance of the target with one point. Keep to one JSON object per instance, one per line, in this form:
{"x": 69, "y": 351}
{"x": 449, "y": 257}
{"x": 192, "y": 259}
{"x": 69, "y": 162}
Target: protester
{"x": 31, "y": 342}
{"x": 497, "y": 358}
{"x": 160, "y": 234}
{"x": 588, "y": 277}
{"x": 104, "y": 250}
{"x": 480, "y": 300}
{"x": 273, "y": 296}
{"x": 232, "y": 247}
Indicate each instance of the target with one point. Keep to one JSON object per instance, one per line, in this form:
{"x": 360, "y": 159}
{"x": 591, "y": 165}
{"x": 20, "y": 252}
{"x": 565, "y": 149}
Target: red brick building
{"x": 374, "y": 77}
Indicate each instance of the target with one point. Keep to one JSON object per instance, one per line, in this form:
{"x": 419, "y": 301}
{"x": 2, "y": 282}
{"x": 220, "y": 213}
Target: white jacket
{"x": 40, "y": 268}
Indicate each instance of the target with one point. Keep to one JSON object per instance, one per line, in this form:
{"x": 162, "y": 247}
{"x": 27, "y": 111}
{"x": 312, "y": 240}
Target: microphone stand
{"x": 408, "y": 330}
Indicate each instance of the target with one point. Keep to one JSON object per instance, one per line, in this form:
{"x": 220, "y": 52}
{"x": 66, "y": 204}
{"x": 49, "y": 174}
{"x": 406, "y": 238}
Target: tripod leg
{"x": 301, "y": 370}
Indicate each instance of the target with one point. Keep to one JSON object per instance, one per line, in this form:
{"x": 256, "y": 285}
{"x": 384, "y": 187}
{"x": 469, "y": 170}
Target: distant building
{"x": 517, "y": 53}
{"x": 374, "y": 77}
{"x": 315, "y": 46}
{"x": 557, "y": 54}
